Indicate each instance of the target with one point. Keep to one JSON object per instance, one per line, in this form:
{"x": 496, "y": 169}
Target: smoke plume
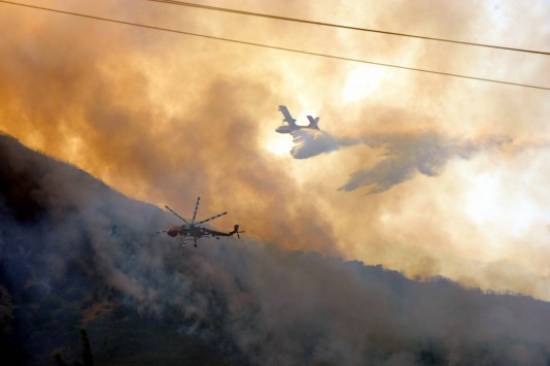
{"x": 164, "y": 117}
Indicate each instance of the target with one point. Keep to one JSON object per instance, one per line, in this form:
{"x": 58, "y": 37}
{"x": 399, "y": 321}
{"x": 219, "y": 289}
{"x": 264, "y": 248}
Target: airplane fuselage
{"x": 286, "y": 129}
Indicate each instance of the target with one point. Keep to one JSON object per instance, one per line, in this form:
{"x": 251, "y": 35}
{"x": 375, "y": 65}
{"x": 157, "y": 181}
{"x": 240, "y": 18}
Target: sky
{"x": 424, "y": 174}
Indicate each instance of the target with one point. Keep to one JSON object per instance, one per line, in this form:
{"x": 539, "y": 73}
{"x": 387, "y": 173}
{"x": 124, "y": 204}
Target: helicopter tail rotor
{"x": 236, "y": 231}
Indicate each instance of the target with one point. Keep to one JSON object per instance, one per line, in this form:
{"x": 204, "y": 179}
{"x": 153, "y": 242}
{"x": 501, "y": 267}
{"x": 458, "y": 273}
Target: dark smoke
{"x": 74, "y": 252}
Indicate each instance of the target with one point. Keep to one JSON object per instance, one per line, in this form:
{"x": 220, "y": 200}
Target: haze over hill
{"x": 161, "y": 117}
{"x": 76, "y": 254}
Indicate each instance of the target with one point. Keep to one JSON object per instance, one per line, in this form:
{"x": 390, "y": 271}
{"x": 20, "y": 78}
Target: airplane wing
{"x": 287, "y": 117}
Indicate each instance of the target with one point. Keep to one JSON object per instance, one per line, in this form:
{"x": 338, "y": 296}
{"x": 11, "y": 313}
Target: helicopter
{"x": 192, "y": 230}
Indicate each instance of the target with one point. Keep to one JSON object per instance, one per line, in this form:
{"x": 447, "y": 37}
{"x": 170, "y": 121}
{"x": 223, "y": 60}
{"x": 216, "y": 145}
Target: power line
{"x": 261, "y": 45}
{"x": 341, "y": 26}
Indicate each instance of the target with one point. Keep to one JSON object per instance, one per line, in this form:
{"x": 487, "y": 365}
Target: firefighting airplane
{"x": 291, "y": 122}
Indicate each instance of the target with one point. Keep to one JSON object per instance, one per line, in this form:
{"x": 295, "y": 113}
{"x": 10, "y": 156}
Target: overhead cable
{"x": 266, "y": 46}
{"x": 348, "y": 27}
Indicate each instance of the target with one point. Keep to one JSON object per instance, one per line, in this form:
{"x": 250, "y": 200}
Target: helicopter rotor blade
{"x": 176, "y": 214}
{"x": 212, "y": 218}
{"x": 196, "y": 209}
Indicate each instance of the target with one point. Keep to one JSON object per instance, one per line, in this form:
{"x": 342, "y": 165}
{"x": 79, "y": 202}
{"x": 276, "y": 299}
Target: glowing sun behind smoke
{"x": 278, "y": 144}
{"x": 502, "y": 203}
{"x": 361, "y": 82}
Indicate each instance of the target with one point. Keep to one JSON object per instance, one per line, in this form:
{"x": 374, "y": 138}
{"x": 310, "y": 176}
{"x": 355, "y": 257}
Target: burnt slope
{"x": 74, "y": 253}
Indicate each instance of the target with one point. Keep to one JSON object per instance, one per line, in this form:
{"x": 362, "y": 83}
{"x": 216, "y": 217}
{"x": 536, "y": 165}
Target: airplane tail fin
{"x": 313, "y": 122}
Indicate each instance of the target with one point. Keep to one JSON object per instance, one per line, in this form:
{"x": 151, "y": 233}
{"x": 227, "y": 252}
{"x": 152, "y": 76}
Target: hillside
{"x": 76, "y": 254}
